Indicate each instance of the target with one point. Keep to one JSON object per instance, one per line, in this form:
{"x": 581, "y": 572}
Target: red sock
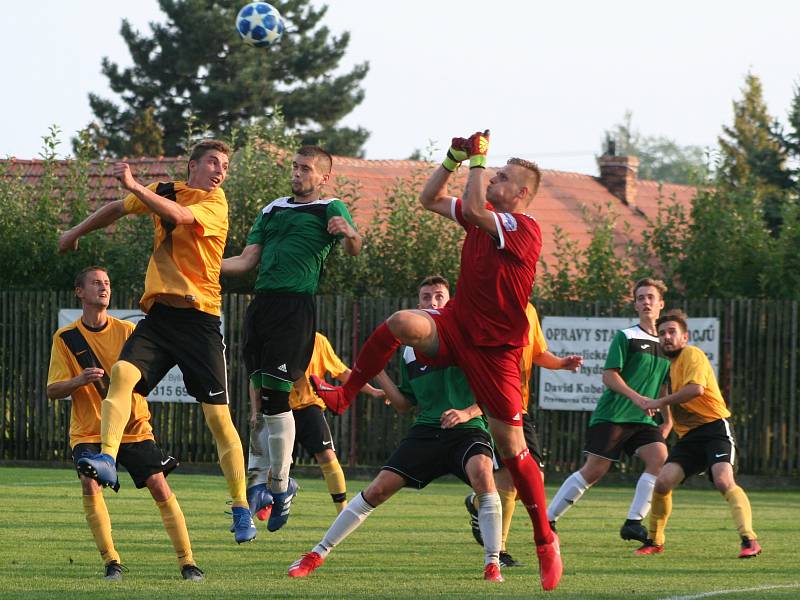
{"x": 530, "y": 488}
{"x": 374, "y": 355}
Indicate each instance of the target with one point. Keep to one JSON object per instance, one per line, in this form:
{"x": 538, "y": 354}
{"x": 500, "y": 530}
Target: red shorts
{"x": 493, "y": 372}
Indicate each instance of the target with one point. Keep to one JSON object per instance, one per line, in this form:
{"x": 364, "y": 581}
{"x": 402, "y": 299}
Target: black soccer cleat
{"x": 114, "y": 571}
{"x": 474, "y": 523}
{"x": 192, "y": 573}
{"x": 633, "y": 529}
{"x": 506, "y": 560}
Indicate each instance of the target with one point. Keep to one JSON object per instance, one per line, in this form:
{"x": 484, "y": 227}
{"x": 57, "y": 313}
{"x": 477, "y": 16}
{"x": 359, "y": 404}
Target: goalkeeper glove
{"x": 477, "y": 148}
{"x": 456, "y": 154}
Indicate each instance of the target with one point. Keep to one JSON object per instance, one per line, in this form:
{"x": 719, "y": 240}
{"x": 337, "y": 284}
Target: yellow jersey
{"x": 106, "y": 344}
{"x": 324, "y": 360}
{"x": 692, "y": 366}
{"x": 185, "y": 266}
{"x": 536, "y": 346}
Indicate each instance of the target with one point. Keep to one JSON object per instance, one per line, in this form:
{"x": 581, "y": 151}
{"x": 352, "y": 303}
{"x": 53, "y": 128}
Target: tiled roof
{"x": 562, "y": 199}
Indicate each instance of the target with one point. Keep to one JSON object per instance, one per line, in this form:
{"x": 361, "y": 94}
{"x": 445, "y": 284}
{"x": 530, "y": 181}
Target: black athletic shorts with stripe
{"x": 703, "y": 447}
{"x": 186, "y": 337}
{"x": 311, "y": 430}
{"x": 610, "y": 440}
{"x": 427, "y": 453}
{"x": 140, "y": 459}
{"x": 279, "y": 335}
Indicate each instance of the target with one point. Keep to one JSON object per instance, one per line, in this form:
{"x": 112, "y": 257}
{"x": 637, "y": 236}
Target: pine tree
{"x": 193, "y": 68}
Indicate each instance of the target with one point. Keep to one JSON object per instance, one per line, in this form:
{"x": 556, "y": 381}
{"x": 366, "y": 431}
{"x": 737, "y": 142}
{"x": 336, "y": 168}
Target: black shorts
{"x": 185, "y": 337}
{"x": 140, "y": 459}
{"x": 610, "y": 440}
{"x": 311, "y": 430}
{"x": 427, "y": 453}
{"x": 531, "y": 441}
{"x": 279, "y": 335}
{"x": 703, "y": 447}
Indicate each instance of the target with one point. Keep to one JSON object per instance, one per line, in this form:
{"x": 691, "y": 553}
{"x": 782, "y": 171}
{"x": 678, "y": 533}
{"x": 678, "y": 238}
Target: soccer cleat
{"x": 192, "y": 573}
{"x": 492, "y": 573}
{"x": 332, "y": 395}
{"x": 633, "y": 530}
{"x": 553, "y": 527}
{"x": 114, "y": 571}
{"x": 102, "y": 468}
{"x": 258, "y": 498}
{"x": 243, "y": 528}
{"x": 506, "y": 560}
{"x": 550, "y": 565}
{"x": 649, "y": 548}
{"x": 305, "y": 565}
{"x": 281, "y": 504}
{"x": 474, "y": 523}
{"x": 750, "y": 548}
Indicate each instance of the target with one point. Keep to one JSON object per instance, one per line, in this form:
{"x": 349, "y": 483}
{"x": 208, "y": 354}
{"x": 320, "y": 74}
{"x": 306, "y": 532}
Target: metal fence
{"x": 758, "y": 377}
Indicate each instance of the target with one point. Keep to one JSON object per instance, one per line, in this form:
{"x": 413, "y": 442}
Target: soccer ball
{"x": 259, "y": 24}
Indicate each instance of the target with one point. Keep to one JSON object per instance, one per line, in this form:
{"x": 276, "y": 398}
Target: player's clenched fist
{"x": 477, "y": 148}
{"x": 340, "y": 226}
{"x": 456, "y": 154}
{"x": 122, "y": 172}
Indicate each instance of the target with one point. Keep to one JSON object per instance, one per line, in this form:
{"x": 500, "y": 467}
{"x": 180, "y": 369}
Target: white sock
{"x": 640, "y": 505}
{"x": 568, "y": 494}
{"x": 258, "y": 458}
{"x": 356, "y": 511}
{"x": 490, "y": 518}
{"x": 281, "y": 444}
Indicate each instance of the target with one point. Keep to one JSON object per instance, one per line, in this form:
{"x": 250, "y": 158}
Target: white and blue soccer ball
{"x": 259, "y": 24}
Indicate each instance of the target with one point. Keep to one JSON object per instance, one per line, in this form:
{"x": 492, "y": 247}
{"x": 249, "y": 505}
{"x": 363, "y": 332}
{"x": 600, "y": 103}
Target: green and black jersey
{"x": 642, "y": 366}
{"x": 295, "y": 243}
{"x": 435, "y": 390}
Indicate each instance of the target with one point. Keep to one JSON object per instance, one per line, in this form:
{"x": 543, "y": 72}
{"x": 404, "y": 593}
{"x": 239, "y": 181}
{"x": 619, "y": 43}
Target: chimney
{"x": 618, "y": 174}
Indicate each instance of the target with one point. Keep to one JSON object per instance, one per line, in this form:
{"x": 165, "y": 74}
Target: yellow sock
{"x": 334, "y": 478}
{"x": 508, "y": 500}
{"x": 740, "y": 509}
{"x": 175, "y": 525}
{"x": 100, "y": 523}
{"x": 659, "y": 514}
{"x": 115, "y": 411}
{"x": 229, "y": 448}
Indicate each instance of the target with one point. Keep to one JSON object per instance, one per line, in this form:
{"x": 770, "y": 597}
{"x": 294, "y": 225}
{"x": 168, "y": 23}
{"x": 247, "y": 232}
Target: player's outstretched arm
{"x": 434, "y": 196}
{"x": 394, "y": 396}
{"x": 686, "y": 393}
{"x": 244, "y": 263}
{"x": 166, "y": 209}
{"x": 369, "y": 390}
{"x": 100, "y": 219}
{"x": 62, "y": 389}
{"x": 548, "y": 360}
{"x": 474, "y": 207}
{"x": 455, "y": 416}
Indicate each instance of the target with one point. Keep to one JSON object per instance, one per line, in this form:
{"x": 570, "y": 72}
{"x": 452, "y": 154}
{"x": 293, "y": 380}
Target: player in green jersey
{"x": 289, "y": 243}
{"x": 635, "y": 369}
{"x": 449, "y": 435}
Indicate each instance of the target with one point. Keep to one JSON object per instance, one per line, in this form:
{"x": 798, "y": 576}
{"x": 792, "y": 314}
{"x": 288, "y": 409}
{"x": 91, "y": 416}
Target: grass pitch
{"x": 418, "y": 545}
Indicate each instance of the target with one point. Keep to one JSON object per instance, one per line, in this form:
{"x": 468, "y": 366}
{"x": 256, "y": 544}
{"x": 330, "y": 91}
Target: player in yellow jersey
{"x": 183, "y": 304}
{"x": 312, "y": 430}
{"x": 535, "y": 353}
{"x": 706, "y": 442}
{"x": 81, "y": 356}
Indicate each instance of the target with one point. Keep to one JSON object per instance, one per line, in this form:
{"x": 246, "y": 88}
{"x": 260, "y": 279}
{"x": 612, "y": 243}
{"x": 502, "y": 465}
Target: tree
{"x": 752, "y": 153}
{"x": 194, "y": 66}
{"x": 660, "y": 158}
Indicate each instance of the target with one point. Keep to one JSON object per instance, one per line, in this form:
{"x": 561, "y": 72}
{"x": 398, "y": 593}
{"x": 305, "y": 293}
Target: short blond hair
{"x": 534, "y": 175}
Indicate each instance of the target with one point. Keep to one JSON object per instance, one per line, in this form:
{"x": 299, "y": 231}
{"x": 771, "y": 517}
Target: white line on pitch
{"x": 723, "y": 592}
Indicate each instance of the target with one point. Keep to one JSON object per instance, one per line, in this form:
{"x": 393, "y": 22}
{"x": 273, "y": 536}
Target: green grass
{"x": 417, "y": 546}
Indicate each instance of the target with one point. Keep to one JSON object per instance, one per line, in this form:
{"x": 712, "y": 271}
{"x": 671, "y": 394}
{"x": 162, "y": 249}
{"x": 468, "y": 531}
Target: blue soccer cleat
{"x": 258, "y": 498}
{"x": 102, "y": 468}
{"x": 281, "y": 504}
{"x": 244, "y": 530}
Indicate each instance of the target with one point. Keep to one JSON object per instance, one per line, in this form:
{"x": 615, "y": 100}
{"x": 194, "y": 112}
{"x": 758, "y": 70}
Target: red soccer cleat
{"x": 550, "y": 566}
{"x": 649, "y": 548}
{"x": 750, "y": 548}
{"x": 305, "y": 565}
{"x": 492, "y": 573}
{"x": 332, "y": 395}
{"x": 263, "y": 514}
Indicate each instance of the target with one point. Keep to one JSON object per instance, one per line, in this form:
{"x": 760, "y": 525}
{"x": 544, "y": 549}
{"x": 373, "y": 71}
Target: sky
{"x": 548, "y": 78}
